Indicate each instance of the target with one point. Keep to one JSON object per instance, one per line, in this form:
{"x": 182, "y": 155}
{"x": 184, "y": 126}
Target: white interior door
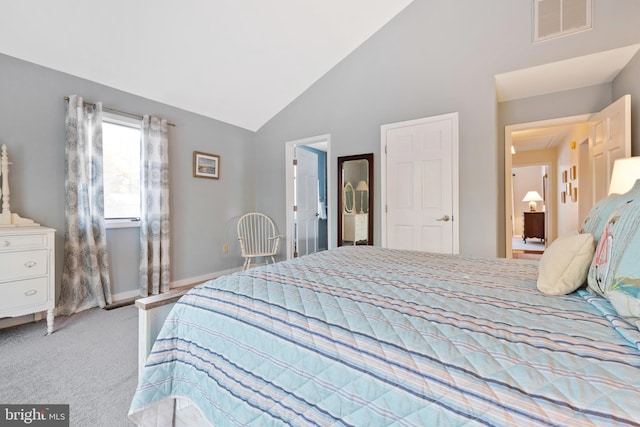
{"x": 306, "y": 202}
{"x": 610, "y": 139}
{"x": 420, "y": 184}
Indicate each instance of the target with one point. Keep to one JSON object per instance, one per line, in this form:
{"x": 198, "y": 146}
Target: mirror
{"x": 348, "y": 197}
{"x": 355, "y": 200}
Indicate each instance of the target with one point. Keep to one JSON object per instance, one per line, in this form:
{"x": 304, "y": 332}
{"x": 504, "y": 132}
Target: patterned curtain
{"x": 154, "y": 221}
{"x": 85, "y": 275}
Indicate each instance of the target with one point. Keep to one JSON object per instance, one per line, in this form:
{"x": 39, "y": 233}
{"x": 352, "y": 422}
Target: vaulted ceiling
{"x": 238, "y": 61}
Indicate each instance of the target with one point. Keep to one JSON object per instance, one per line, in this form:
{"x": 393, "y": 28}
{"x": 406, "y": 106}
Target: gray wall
{"x": 203, "y": 210}
{"x": 435, "y": 57}
{"x": 628, "y": 82}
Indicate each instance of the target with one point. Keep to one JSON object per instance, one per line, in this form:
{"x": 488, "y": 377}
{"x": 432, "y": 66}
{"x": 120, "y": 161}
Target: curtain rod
{"x": 113, "y": 110}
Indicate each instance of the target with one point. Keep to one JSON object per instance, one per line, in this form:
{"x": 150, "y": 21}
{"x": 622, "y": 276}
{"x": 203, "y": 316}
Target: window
{"x": 121, "y": 153}
{"x": 556, "y": 18}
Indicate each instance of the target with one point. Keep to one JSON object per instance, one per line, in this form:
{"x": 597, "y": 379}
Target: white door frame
{"x": 508, "y": 167}
{"x": 454, "y": 175}
{"x": 289, "y": 153}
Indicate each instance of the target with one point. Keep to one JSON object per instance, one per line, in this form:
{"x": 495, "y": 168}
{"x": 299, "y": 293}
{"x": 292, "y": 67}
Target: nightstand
{"x": 533, "y": 225}
{"x": 355, "y": 227}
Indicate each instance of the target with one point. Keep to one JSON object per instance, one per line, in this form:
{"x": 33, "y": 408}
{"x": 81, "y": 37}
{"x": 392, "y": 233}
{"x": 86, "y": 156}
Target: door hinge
{"x": 295, "y": 208}
{"x": 295, "y": 162}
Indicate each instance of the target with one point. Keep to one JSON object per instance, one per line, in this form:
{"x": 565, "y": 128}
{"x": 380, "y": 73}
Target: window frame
{"x": 122, "y": 120}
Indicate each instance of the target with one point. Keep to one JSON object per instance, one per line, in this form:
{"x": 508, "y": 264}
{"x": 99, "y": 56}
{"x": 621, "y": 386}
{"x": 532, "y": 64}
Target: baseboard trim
{"x": 125, "y": 295}
{"x": 201, "y": 279}
{"x": 129, "y": 297}
{"x": 121, "y": 303}
{"x": 9, "y": 322}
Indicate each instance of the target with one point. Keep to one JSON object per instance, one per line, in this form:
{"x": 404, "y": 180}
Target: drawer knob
{"x": 5, "y": 243}
{"x": 30, "y": 264}
{"x": 31, "y": 292}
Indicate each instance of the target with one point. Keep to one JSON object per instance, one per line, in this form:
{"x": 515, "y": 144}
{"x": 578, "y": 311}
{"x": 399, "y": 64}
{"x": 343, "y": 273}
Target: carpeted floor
{"x": 89, "y": 362}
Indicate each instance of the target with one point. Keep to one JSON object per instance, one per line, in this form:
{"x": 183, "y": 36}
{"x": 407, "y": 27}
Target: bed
{"x": 371, "y": 336}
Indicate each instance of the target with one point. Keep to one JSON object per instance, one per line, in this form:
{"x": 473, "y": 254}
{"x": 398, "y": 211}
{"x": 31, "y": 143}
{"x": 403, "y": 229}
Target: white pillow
{"x": 565, "y": 263}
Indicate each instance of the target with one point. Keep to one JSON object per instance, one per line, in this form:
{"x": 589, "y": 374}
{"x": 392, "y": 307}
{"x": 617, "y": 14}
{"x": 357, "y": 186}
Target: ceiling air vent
{"x": 557, "y": 18}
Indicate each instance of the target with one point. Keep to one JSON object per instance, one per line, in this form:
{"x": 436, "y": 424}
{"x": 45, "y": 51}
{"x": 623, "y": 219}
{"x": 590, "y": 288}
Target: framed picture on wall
{"x": 206, "y": 165}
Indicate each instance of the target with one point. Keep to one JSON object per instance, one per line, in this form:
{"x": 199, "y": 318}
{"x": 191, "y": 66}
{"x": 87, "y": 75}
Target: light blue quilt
{"x": 365, "y": 336}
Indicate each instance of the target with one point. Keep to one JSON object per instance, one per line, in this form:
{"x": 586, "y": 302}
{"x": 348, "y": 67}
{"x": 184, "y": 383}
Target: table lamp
{"x": 625, "y": 173}
{"x": 362, "y": 187}
{"x": 532, "y": 197}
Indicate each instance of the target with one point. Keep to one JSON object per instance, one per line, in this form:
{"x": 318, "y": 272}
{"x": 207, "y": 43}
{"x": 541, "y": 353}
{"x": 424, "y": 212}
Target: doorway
{"x": 581, "y": 150}
{"x": 531, "y": 219}
{"x": 308, "y": 178}
{"x": 543, "y": 143}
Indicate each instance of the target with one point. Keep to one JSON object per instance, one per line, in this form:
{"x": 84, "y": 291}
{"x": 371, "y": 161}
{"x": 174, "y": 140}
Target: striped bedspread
{"x": 365, "y": 336}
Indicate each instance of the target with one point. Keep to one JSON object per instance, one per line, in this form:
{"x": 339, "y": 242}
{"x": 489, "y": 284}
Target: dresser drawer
{"x": 23, "y": 241}
{"x": 361, "y": 220}
{"x": 27, "y": 271}
{"x": 23, "y": 293}
{"x": 23, "y": 264}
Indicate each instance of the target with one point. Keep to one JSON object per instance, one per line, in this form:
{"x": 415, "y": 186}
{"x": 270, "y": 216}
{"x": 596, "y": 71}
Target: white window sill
{"x": 122, "y": 223}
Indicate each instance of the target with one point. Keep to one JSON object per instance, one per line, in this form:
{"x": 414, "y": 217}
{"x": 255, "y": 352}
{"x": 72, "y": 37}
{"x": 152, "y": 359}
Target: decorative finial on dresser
{"x": 8, "y": 219}
{"x": 5, "y": 211}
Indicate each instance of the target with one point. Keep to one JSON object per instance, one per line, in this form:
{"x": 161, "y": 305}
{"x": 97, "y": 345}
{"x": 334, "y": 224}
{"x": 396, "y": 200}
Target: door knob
{"x": 444, "y": 218}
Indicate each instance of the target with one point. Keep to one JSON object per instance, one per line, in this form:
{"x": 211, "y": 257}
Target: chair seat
{"x": 259, "y": 254}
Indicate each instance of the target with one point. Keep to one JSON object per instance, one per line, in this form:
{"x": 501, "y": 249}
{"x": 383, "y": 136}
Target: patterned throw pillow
{"x": 598, "y": 215}
{"x": 615, "y": 269}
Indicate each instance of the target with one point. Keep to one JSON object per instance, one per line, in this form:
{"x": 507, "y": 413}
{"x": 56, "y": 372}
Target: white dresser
{"x": 355, "y": 227}
{"x": 27, "y": 283}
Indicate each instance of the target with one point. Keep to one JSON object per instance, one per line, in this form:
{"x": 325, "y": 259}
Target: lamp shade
{"x": 532, "y": 197}
{"x": 362, "y": 186}
{"x": 625, "y": 173}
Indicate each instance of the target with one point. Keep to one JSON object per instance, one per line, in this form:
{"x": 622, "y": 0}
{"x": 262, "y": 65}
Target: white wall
{"x": 568, "y": 156}
{"x": 437, "y": 56}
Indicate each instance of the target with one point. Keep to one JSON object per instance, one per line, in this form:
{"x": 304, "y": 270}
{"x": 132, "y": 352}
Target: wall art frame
{"x": 206, "y": 165}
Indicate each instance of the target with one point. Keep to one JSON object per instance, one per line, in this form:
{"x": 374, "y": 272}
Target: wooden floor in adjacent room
{"x": 533, "y": 249}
